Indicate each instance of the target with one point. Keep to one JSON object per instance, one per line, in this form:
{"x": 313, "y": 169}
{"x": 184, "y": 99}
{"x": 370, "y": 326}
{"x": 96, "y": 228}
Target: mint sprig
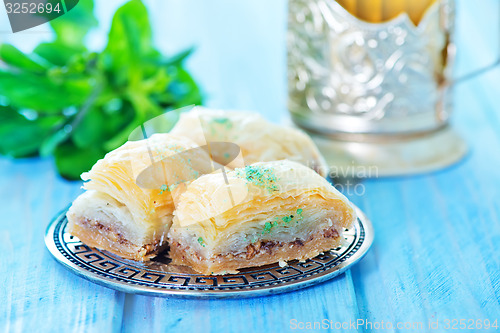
{"x": 76, "y": 105}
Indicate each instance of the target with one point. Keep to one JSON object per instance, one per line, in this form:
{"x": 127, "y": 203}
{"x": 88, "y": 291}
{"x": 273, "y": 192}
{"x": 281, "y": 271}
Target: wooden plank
{"x": 436, "y": 255}
{"x": 37, "y": 293}
{"x": 385, "y": 280}
{"x": 334, "y": 300}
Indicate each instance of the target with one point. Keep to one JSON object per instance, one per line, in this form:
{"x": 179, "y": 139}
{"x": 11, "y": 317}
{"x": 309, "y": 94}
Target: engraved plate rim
{"x": 362, "y": 239}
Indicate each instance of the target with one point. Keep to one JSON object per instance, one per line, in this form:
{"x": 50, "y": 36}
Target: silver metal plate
{"x": 159, "y": 278}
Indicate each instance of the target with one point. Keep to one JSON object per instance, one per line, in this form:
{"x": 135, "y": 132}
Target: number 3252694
{"x": 31, "y": 8}
{"x": 469, "y": 324}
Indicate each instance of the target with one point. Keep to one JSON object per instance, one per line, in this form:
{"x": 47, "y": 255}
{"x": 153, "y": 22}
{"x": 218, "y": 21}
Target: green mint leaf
{"x": 122, "y": 136}
{"x": 27, "y": 91}
{"x": 184, "y": 88}
{"x": 52, "y": 141}
{"x": 130, "y": 37}
{"x": 78, "y": 104}
{"x": 24, "y": 90}
{"x": 58, "y": 53}
{"x": 71, "y": 28}
{"x": 71, "y": 162}
{"x": 178, "y": 59}
{"x": 13, "y": 57}
{"x": 92, "y": 129}
{"x": 20, "y": 137}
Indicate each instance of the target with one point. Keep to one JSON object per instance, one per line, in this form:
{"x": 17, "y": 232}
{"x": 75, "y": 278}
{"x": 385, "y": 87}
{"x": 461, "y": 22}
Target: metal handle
{"x": 485, "y": 69}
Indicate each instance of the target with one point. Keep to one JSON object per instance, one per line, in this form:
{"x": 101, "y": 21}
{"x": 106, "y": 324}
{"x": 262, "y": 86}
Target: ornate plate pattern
{"x": 159, "y": 278}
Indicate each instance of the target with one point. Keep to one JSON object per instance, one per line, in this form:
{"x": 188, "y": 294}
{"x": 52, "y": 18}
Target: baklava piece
{"x": 261, "y": 214}
{"x": 258, "y": 139}
{"x": 127, "y": 208}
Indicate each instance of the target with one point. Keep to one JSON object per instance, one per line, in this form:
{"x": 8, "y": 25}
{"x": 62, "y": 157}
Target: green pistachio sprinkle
{"x": 221, "y": 120}
{"x": 260, "y": 176}
{"x": 267, "y": 228}
{"x": 163, "y": 188}
{"x": 200, "y": 240}
{"x": 226, "y": 155}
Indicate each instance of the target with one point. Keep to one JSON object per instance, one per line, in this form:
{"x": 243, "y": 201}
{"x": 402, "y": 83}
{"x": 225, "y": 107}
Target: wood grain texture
{"x": 435, "y": 254}
{"x": 333, "y": 300}
{"x": 37, "y": 293}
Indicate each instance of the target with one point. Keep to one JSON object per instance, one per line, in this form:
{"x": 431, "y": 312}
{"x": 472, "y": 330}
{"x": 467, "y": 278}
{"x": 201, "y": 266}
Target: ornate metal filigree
{"x": 348, "y": 75}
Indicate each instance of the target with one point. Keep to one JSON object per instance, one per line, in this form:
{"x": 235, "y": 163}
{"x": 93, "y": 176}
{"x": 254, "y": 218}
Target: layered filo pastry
{"x": 129, "y": 200}
{"x": 263, "y": 213}
{"x": 258, "y": 139}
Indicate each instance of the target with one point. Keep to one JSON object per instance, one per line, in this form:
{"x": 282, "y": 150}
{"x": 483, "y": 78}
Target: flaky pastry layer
{"x": 95, "y": 234}
{"x": 256, "y": 254}
{"x": 219, "y": 218}
{"x": 258, "y": 139}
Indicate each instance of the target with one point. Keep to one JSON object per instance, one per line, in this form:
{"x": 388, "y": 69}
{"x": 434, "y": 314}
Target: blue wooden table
{"x": 436, "y": 255}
